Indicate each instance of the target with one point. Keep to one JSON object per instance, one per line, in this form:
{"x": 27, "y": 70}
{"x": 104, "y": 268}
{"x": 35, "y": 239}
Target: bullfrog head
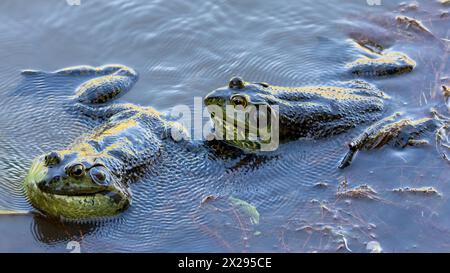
{"x": 70, "y": 185}
{"x": 292, "y": 112}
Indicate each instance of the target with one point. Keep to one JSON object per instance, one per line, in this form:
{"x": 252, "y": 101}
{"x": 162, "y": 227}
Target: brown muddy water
{"x": 184, "y": 49}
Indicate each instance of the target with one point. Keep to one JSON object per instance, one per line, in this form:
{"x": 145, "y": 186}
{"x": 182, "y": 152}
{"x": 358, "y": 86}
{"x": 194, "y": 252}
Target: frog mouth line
{"x": 114, "y": 196}
{"x": 239, "y": 133}
{"x": 75, "y": 194}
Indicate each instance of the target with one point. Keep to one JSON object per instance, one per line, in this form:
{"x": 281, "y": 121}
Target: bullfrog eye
{"x": 76, "y": 170}
{"x": 236, "y": 83}
{"x": 99, "y": 175}
{"x": 52, "y": 159}
{"x": 239, "y": 101}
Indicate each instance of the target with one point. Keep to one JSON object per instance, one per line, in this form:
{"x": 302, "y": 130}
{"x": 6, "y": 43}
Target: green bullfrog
{"x": 313, "y": 112}
{"x": 90, "y": 178}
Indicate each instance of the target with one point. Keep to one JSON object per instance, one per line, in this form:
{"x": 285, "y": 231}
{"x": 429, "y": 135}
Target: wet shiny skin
{"x": 308, "y": 112}
{"x": 185, "y": 49}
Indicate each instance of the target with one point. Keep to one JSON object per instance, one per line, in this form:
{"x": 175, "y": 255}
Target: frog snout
{"x": 48, "y": 184}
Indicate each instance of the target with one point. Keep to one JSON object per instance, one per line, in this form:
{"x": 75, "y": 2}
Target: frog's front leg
{"x": 358, "y": 143}
{"x": 401, "y": 133}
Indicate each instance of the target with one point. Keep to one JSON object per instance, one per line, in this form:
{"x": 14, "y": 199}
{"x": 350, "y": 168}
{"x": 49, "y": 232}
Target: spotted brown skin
{"x": 311, "y": 111}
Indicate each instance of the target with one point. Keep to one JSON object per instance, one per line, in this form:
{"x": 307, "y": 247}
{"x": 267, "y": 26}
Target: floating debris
{"x": 208, "y": 199}
{"x": 344, "y": 244}
{"x": 408, "y": 6}
{"x": 246, "y": 208}
{"x": 362, "y": 191}
{"x": 324, "y": 208}
{"x": 336, "y": 233}
{"x": 444, "y": 2}
{"x": 374, "y": 247}
{"x": 14, "y": 212}
{"x": 414, "y": 23}
{"x": 446, "y": 91}
{"x": 321, "y": 185}
{"x": 421, "y": 190}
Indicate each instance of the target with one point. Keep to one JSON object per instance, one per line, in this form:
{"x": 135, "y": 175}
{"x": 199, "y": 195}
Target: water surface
{"x": 184, "y": 49}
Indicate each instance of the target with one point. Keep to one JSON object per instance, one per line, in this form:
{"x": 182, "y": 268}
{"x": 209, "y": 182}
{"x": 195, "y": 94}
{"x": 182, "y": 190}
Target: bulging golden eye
{"x": 76, "y": 170}
{"x": 239, "y": 101}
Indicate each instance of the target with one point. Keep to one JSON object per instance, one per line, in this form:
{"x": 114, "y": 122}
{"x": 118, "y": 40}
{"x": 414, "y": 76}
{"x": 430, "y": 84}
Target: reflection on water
{"x": 184, "y": 49}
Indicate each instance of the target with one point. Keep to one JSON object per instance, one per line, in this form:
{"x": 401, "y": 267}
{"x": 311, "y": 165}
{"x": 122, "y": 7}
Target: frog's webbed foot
{"x": 401, "y": 133}
{"x": 392, "y": 63}
{"x": 366, "y": 138}
{"x": 376, "y": 63}
{"x": 111, "y": 81}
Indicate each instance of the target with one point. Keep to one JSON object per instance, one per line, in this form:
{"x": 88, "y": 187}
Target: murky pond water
{"x": 184, "y": 49}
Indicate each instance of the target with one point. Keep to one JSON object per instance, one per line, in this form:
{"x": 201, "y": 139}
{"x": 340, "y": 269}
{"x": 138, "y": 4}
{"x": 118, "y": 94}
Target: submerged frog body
{"x": 309, "y": 111}
{"x": 90, "y": 178}
{"x": 322, "y": 111}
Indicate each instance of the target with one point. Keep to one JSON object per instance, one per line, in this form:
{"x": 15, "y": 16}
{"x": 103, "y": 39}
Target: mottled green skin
{"x": 117, "y": 152}
{"x": 375, "y": 62}
{"x": 392, "y": 63}
{"x": 306, "y": 112}
{"x": 90, "y": 178}
{"x": 316, "y": 111}
{"x": 323, "y": 111}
